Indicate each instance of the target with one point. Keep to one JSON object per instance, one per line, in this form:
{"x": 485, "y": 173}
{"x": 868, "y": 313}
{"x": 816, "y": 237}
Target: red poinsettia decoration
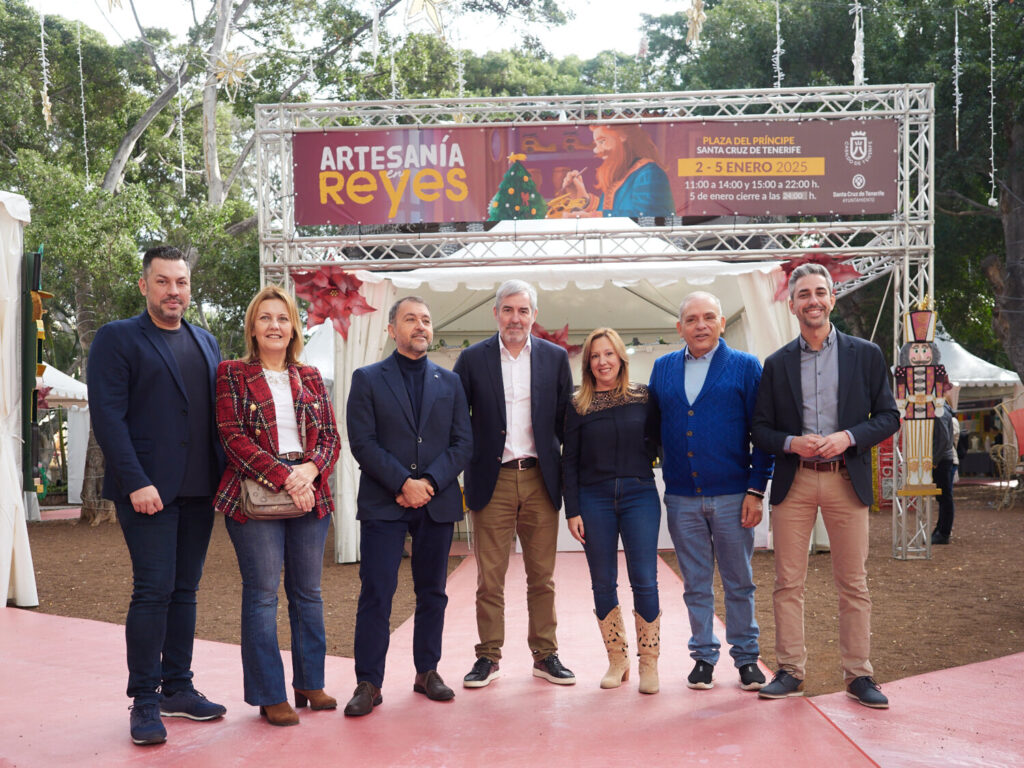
{"x": 561, "y": 338}
{"x": 837, "y": 268}
{"x": 332, "y": 293}
{"x": 41, "y": 395}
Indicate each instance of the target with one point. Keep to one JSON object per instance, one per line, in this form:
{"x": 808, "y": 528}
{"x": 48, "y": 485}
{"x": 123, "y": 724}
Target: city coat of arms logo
{"x": 857, "y": 148}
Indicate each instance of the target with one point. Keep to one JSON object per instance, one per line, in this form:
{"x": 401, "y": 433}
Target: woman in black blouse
{"x": 611, "y": 437}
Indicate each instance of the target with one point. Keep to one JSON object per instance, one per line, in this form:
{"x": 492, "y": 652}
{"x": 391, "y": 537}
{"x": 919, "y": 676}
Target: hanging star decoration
{"x": 561, "y": 338}
{"x": 232, "y": 70}
{"x": 425, "y": 9}
{"x": 332, "y": 294}
{"x": 695, "y": 13}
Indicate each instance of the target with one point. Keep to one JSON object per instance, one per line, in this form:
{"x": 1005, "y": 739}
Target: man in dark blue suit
{"x": 518, "y": 388}
{"x": 151, "y": 394}
{"x": 408, "y": 425}
{"x": 823, "y": 402}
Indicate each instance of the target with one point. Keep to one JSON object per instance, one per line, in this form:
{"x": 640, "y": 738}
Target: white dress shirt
{"x": 515, "y": 377}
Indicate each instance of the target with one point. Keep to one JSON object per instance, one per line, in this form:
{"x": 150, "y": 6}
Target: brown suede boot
{"x": 614, "y": 635}
{"x": 648, "y": 640}
{"x": 280, "y": 714}
{"x": 316, "y": 699}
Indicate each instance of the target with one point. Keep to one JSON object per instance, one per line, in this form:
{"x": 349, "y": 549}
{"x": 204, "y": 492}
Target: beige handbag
{"x": 260, "y": 503}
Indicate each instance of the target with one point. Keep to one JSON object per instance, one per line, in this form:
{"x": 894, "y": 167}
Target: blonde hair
{"x": 295, "y": 344}
{"x": 588, "y": 384}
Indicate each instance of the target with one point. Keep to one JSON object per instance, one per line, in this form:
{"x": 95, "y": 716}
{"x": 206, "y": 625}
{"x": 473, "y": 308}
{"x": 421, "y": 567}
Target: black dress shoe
{"x": 366, "y": 697}
{"x": 432, "y": 686}
{"x": 938, "y": 538}
{"x": 550, "y": 668}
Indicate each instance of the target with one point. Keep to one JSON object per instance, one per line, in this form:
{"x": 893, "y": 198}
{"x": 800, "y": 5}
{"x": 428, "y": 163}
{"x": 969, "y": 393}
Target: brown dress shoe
{"x": 366, "y": 697}
{"x": 315, "y": 699}
{"x": 432, "y": 686}
{"x": 280, "y": 714}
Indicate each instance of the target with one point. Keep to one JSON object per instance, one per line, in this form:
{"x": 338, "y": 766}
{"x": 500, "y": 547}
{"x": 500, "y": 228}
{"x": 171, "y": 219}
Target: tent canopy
{"x": 65, "y": 391}
{"x": 967, "y": 370}
{"x": 641, "y": 296}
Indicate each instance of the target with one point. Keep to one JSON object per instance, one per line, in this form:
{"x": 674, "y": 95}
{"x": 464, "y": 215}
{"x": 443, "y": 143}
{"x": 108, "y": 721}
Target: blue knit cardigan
{"x": 706, "y": 443}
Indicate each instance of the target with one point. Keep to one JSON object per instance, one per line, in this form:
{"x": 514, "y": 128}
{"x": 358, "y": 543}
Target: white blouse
{"x": 288, "y": 440}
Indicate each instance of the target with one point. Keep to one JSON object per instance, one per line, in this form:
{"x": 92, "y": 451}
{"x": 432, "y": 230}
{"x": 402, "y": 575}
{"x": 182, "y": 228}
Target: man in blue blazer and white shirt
{"x": 408, "y": 426}
{"x": 824, "y": 401}
{"x": 151, "y": 395}
{"x": 518, "y": 388}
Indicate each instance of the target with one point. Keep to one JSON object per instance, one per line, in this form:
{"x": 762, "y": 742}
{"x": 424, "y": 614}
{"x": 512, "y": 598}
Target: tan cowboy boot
{"x": 614, "y": 635}
{"x": 648, "y": 640}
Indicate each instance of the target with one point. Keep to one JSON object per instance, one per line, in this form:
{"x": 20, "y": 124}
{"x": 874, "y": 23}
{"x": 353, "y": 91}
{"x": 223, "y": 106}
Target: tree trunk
{"x": 1007, "y": 278}
{"x": 214, "y": 57}
{"x": 95, "y": 509}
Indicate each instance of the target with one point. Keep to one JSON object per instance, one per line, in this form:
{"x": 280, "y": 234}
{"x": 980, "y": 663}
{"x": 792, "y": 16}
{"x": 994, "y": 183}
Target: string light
{"x": 81, "y": 93}
{"x": 45, "y": 92}
{"x": 777, "y": 56}
{"x": 858, "y": 42}
{"x": 992, "y": 201}
{"x": 957, "y": 71}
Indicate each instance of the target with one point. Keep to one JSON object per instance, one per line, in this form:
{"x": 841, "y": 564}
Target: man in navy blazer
{"x": 824, "y": 401}
{"x": 518, "y": 388}
{"x": 151, "y": 395}
{"x": 408, "y": 426}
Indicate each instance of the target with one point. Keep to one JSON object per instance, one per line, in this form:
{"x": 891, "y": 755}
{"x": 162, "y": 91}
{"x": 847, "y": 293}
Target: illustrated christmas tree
{"x": 517, "y": 196}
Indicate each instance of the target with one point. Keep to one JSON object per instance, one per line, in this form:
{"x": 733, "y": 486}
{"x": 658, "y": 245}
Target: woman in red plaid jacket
{"x": 276, "y": 423}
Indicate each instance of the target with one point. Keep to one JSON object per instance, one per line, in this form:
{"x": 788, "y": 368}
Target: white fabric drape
{"x": 78, "y": 443}
{"x": 17, "y": 576}
{"x": 770, "y": 324}
{"x": 367, "y": 336}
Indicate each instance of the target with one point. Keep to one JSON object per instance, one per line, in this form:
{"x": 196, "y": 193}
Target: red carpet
{"x": 62, "y": 703}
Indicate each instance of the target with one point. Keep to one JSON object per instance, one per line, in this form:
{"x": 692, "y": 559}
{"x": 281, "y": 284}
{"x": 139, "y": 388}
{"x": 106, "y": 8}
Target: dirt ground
{"x": 962, "y": 606}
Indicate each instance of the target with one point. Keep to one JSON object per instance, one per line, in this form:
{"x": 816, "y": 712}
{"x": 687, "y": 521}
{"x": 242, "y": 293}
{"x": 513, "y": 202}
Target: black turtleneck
{"x": 413, "y": 372}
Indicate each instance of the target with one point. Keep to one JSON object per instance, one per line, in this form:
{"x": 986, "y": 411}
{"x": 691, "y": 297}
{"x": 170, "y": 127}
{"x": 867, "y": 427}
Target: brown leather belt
{"x": 528, "y": 463}
{"x": 293, "y": 456}
{"x": 824, "y": 466}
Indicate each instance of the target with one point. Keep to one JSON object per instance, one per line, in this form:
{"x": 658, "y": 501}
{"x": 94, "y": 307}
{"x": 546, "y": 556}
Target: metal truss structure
{"x": 900, "y": 245}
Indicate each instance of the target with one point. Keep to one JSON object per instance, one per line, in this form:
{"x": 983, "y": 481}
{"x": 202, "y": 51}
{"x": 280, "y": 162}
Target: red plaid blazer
{"x": 247, "y": 424}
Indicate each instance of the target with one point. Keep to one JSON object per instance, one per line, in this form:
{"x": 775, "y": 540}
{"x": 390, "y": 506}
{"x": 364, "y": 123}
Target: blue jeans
{"x": 168, "y": 550}
{"x": 262, "y": 547}
{"x": 703, "y": 529}
{"x": 626, "y": 506}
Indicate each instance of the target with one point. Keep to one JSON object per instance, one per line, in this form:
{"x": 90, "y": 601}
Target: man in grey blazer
{"x": 408, "y": 426}
{"x": 824, "y": 401}
{"x": 518, "y": 387}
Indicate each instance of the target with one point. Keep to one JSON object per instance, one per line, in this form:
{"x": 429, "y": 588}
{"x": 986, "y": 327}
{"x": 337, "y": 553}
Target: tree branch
{"x": 145, "y": 41}
{"x": 981, "y": 209}
{"x": 283, "y": 96}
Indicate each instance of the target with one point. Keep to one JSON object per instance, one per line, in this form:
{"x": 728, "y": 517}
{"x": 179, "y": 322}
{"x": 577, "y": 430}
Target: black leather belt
{"x": 528, "y": 463}
{"x": 824, "y": 466}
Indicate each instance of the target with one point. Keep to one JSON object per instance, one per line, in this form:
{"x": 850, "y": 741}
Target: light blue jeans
{"x": 705, "y": 529}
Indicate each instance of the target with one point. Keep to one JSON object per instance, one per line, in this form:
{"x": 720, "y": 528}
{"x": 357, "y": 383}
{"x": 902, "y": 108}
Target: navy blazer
{"x": 479, "y": 367}
{"x": 138, "y": 406}
{"x": 390, "y": 447}
{"x": 866, "y": 408}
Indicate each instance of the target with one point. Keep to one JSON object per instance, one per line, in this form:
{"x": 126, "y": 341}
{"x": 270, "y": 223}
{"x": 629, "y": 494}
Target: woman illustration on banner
{"x": 630, "y": 179}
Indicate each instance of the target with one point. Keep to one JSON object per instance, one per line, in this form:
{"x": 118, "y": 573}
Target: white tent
{"x": 17, "y": 576}
{"x": 72, "y": 395}
{"x": 638, "y": 298}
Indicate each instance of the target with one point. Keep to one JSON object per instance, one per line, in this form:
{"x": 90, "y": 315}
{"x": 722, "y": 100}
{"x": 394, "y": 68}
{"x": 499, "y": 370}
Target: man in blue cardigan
{"x": 714, "y": 483}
